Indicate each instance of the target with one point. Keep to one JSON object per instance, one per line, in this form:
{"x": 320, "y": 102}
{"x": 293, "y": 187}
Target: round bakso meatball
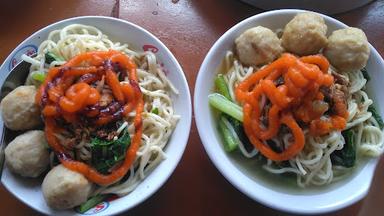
{"x": 19, "y": 110}
{"x": 27, "y": 155}
{"x": 64, "y": 188}
{"x": 305, "y": 34}
{"x": 258, "y": 46}
{"x": 347, "y": 49}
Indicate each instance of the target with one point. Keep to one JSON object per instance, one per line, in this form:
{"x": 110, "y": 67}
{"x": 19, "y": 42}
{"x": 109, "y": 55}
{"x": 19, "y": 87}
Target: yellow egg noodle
{"x": 157, "y": 127}
{"x": 313, "y": 165}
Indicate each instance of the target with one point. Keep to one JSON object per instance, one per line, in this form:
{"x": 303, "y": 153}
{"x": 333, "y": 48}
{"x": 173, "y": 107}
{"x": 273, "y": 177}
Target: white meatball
{"x": 258, "y": 46}
{"x": 19, "y": 110}
{"x": 347, "y": 49}
{"x": 64, "y": 188}
{"x": 27, "y": 155}
{"x": 305, "y": 34}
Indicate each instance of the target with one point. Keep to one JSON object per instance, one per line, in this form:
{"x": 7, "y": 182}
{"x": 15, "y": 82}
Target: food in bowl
{"x": 305, "y": 34}
{"x": 19, "y": 110}
{"x": 27, "y": 154}
{"x": 107, "y": 113}
{"x": 297, "y": 113}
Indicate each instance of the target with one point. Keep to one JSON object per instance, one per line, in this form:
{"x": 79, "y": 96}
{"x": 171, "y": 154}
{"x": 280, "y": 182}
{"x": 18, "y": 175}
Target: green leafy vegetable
{"x": 222, "y": 86}
{"x": 39, "y": 76}
{"x": 224, "y": 105}
{"x": 347, "y": 155}
{"x": 91, "y": 202}
{"x": 105, "y": 154}
{"x": 365, "y": 74}
{"x": 51, "y": 57}
{"x": 376, "y": 115}
{"x": 239, "y": 129}
{"x": 231, "y": 140}
{"x": 155, "y": 111}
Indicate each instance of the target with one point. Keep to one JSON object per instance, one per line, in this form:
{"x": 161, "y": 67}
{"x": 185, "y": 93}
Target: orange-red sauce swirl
{"x": 67, "y": 93}
{"x": 297, "y": 99}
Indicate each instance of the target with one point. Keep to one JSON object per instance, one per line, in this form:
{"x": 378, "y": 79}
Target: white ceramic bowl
{"x": 29, "y": 190}
{"x": 273, "y": 190}
{"x": 323, "y": 6}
